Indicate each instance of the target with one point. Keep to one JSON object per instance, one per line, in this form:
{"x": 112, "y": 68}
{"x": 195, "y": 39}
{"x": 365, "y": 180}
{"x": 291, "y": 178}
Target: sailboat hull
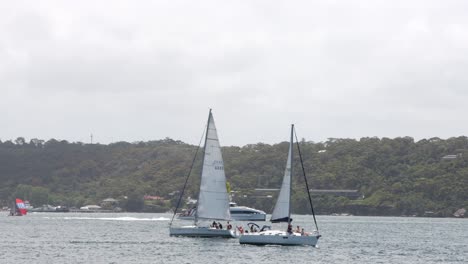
{"x": 195, "y": 231}
{"x": 274, "y": 237}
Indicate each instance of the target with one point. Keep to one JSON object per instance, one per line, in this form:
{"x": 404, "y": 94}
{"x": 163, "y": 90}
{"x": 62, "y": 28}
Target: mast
{"x": 203, "y": 162}
{"x": 291, "y": 144}
{"x": 13, "y": 209}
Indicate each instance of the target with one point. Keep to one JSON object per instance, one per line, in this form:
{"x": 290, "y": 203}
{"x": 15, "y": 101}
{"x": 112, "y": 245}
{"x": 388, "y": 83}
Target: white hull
{"x": 248, "y": 217}
{"x": 275, "y": 237}
{"x": 195, "y": 231}
{"x": 186, "y": 217}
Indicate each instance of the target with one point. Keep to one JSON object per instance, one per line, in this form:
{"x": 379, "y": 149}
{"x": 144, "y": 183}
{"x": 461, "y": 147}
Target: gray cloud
{"x": 145, "y": 70}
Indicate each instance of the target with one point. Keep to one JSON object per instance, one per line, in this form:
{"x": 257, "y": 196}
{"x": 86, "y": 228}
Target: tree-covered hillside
{"x": 396, "y": 176}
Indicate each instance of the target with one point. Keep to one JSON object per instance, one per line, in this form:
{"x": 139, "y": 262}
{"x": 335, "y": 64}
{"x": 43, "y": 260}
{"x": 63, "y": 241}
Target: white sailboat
{"x": 282, "y": 213}
{"x": 213, "y": 200}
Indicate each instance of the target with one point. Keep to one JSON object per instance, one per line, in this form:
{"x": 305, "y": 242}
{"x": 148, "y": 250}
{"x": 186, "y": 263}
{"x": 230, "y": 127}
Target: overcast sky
{"x": 146, "y": 70}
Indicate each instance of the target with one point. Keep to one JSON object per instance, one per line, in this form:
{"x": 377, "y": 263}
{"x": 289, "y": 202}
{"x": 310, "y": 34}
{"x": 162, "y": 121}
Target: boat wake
{"x": 125, "y": 218}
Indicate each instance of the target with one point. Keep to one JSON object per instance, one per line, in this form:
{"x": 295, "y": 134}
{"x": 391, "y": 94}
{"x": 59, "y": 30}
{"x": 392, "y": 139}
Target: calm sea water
{"x": 143, "y": 238}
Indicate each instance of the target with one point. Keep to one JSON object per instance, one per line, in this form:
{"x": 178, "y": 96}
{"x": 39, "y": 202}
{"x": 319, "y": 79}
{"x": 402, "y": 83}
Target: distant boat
{"x": 282, "y": 213}
{"x": 460, "y": 213}
{"x": 47, "y": 208}
{"x": 18, "y": 209}
{"x": 238, "y": 213}
{"x": 91, "y": 207}
{"x": 213, "y": 200}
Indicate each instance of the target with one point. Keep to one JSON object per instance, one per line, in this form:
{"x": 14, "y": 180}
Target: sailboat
{"x": 282, "y": 213}
{"x": 213, "y": 200}
{"x": 18, "y": 209}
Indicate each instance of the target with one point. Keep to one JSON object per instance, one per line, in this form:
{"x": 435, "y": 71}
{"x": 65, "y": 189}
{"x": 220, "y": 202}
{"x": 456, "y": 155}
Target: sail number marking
{"x": 218, "y": 165}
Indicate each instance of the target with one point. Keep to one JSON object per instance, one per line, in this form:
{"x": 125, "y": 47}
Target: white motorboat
{"x": 238, "y": 213}
{"x": 244, "y": 213}
{"x": 213, "y": 200}
{"x": 282, "y": 213}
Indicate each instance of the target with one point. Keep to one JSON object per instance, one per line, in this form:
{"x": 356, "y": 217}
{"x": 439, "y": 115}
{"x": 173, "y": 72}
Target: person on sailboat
{"x": 220, "y": 225}
{"x": 289, "y": 230}
{"x": 253, "y": 229}
{"x": 298, "y": 230}
{"x": 229, "y": 226}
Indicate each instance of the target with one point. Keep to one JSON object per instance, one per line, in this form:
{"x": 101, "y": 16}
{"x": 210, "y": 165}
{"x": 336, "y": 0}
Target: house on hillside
{"x": 150, "y": 197}
{"x": 451, "y": 156}
{"x": 109, "y": 203}
{"x": 351, "y": 194}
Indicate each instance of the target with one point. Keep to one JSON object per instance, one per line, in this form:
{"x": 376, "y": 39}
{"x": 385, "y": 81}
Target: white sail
{"x": 281, "y": 212}
{"x": 213, "y": 201}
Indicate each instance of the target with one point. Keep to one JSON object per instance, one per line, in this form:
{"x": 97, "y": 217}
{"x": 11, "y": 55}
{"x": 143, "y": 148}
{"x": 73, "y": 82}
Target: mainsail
{"x": 213, "y": 200}
{"x": 282, "y": 211}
